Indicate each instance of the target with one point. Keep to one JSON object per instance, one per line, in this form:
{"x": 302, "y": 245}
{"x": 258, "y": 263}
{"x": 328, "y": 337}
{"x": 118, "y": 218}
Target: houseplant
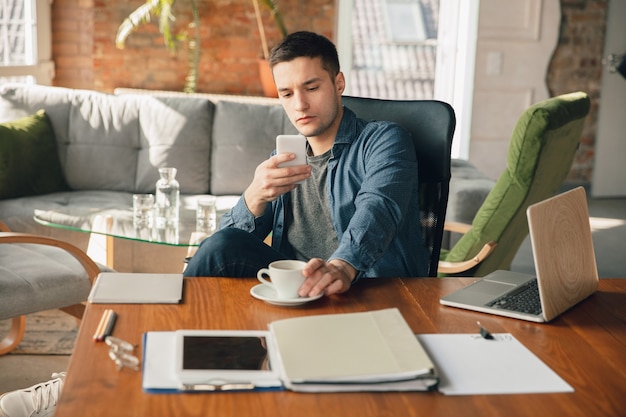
{"x": 267, "y": 81}
{"x": 278, "y": 18}
{"x": 163, "y": 10}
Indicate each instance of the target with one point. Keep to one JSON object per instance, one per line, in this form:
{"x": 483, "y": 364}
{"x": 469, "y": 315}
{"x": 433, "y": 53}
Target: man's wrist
{"x": 346, "y": 267}
{"x": 254, "y": 207}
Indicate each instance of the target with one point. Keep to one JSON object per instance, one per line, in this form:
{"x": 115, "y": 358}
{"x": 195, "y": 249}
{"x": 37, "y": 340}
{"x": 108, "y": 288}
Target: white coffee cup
{"x": 286, "y": 278}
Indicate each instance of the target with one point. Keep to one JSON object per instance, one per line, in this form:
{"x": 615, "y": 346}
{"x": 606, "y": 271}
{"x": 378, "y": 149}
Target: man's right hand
{"x": 271, "y": 181}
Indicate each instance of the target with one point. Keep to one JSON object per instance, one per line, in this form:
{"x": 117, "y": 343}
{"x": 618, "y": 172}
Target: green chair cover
{"x": 540, "y": 156}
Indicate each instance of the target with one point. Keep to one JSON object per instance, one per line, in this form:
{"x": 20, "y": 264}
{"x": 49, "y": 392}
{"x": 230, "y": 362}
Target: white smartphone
{"x": 292, "y": 143}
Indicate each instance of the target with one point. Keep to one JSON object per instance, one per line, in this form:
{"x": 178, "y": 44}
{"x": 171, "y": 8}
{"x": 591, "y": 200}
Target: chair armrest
{"x": 457, "y": 227}
{"x": 446, "y": 267}
{"x": 90, "y": 266}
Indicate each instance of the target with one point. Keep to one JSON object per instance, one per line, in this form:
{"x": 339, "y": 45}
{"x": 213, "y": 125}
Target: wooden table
{"x": 586, "y": 346}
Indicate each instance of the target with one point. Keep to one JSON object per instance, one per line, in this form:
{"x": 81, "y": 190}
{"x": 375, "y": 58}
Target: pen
{"x": 101, "y": 325}
{"x": 484, "y": 332}
{"x": 108, "y": 330}
{"x": 105, "y": 327}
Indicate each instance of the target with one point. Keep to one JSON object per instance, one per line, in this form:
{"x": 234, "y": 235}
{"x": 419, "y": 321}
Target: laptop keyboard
{"x": 525, "y": 299}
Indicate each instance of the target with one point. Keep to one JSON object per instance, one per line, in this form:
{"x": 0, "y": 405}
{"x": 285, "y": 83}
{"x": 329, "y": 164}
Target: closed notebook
{"x": 367, "y": 351}
{"x": 137, "y": 288}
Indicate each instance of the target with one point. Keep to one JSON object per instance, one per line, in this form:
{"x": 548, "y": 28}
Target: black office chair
{"x": 431, "y": 124}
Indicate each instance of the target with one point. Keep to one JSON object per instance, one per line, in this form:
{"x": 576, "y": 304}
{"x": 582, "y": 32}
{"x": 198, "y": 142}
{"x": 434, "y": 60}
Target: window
{"x": 411, "y": 50}
{"x": 25, "y": 52}
{"x": 405, "y": 21}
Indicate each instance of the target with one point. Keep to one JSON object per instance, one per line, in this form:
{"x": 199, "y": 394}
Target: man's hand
{"x": 329, "y": 278}
{"x": 271, "y": 181}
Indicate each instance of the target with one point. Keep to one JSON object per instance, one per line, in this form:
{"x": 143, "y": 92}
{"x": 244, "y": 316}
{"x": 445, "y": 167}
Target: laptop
{"x": 565, "y": 266}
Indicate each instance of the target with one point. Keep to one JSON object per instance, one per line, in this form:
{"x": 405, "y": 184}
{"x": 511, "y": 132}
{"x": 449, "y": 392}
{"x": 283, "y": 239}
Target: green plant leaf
{"x": 142, "y": 15}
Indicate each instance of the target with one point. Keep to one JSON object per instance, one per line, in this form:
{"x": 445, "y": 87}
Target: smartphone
{"x": 292, "y": 143}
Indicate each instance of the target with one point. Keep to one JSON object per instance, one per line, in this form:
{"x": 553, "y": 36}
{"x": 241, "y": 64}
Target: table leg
{"x": 100, "y": 247}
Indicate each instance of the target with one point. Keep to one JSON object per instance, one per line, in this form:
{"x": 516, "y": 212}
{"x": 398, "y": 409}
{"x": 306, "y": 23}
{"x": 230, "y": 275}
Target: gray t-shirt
{"x": 312, "y": 235}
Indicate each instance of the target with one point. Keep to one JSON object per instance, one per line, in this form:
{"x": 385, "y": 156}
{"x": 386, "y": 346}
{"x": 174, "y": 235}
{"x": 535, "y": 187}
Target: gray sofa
{"x": 110, "y": 146}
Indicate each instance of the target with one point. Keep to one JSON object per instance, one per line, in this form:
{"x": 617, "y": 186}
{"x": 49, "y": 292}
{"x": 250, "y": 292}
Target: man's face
{"x": 311, "y": 99}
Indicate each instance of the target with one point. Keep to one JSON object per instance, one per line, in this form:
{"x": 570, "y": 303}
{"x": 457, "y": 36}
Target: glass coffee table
{"x": 107, "y": 224}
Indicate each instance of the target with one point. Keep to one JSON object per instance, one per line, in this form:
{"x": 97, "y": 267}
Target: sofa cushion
{"x": 468, "y": 189}
{"x": 118, "y": 142}
{"x": 103, "y": 142}
{"x": 174, "y": 132}
{"x": 29, "y": 160}
{"x": 244, "y": 135}
{"x": 21, "y": 100}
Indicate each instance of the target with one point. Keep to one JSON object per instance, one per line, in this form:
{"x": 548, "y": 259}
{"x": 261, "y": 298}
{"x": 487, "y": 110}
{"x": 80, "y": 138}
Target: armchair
{"x": 40, "y": 273}
{"x": 540, "y": 156}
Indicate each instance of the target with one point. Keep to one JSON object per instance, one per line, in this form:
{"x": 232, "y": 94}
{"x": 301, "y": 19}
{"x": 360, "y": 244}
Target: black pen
{"x": 484, "y": 332}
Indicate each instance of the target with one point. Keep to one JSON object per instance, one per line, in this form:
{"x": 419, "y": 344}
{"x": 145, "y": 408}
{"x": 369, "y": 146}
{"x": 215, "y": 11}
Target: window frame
{"x": 42, "y": 69}
{"x": 455, "y": 62}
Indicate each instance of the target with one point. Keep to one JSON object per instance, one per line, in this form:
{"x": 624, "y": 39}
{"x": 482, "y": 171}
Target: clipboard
{"x": 471, "y": 364}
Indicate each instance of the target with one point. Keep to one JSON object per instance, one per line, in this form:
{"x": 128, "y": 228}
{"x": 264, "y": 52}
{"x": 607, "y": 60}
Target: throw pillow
{"x": 29, "y": 161}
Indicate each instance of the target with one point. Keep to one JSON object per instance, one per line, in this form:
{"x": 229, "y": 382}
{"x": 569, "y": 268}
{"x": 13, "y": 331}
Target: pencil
{"x": 101, "y": 326}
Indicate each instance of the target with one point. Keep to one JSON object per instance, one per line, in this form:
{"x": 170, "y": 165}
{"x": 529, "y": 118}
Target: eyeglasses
{"x": 121, "y": 353}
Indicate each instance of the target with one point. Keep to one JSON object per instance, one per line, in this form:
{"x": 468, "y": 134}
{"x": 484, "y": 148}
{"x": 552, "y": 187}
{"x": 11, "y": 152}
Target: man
{"x": 356, "y": 212}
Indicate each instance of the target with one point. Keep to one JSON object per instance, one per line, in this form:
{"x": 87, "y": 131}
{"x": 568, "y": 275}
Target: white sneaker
{"x": 38, "y": 400}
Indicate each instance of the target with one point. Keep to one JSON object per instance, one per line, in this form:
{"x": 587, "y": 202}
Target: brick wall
{"x": 86, "y": 57}
{"x": 577, "y": 66}
{"x": 72, "y": 43}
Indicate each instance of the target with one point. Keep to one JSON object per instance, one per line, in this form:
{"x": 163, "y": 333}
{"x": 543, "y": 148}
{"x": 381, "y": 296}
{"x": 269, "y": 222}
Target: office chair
{"x": 431, "y": 124}
{"x": 540, "y": 155}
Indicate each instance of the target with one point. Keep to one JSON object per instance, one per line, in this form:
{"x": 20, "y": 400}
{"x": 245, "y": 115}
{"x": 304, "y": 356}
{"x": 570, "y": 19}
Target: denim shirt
{"x": 374, "y": 202}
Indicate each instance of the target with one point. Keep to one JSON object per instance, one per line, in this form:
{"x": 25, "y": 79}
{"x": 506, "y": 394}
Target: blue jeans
{"x": 231, "y": 252}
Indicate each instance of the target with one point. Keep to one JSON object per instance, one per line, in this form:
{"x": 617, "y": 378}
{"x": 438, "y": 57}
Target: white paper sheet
{"x": 469, "y": 364}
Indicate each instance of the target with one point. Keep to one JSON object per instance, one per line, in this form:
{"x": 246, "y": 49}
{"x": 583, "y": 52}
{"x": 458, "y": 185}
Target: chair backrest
{"x": 431, "y": 124}
{"x": 540, "y": 156}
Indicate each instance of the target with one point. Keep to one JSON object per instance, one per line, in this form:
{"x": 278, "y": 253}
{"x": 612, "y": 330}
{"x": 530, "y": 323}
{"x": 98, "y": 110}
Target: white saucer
{"x": 266, "y": 293}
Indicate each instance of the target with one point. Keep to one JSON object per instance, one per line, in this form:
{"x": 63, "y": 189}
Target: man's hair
{"x": 310, "y": 45}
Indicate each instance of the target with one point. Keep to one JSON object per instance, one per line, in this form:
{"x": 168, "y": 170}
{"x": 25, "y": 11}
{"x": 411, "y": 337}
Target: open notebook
{"x": 565, "y": 266}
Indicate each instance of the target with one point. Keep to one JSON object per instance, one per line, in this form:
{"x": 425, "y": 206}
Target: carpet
{"x": 51, "y": 332}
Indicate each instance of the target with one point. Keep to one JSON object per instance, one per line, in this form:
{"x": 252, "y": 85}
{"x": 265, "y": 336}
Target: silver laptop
{"x": 565, "y": 265}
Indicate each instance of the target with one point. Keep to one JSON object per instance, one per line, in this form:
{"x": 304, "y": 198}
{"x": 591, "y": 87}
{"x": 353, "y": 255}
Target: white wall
{"x": 516, "y": 40}
{"x": 609, "y": 170}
